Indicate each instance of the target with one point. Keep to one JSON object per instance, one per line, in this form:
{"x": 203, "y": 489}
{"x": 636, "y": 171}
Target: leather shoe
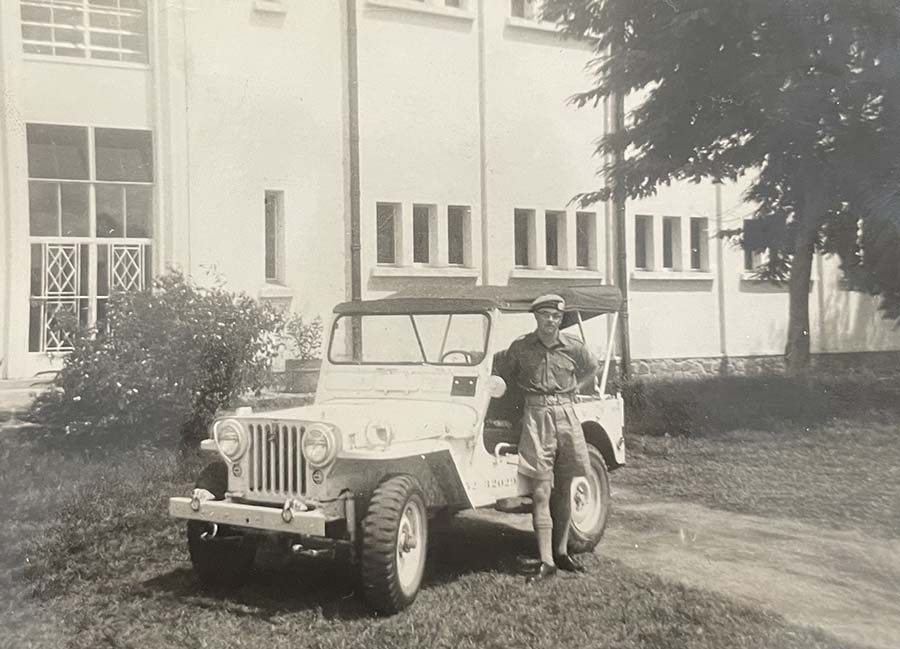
{"x": 544, "y": 572}
{"x": 567, "y": 563}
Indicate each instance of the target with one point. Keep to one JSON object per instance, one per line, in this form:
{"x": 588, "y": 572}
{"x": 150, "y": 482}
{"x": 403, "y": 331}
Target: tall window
{"x": 643, "y": 241}
{"x": 90, "y": 196}
{"x": 423, "y": 215}
{"x": 699, "y": 244}
{"x": 387, "y": 216}
{"x": 753, "y": 259}
{"x": 671, "y": 251}
{"x": 585, "y": 236}
{"x": 458, "y": 225}
{"x": 523, "y": 243}
{"x": 555, "y": 235}
{"x": 113, "y": 30}
{"x": 529, "y": 9}
{"x": 274, "y": 236}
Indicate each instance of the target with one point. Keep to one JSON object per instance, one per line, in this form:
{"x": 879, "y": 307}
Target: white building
{"x": 214, "y": 135}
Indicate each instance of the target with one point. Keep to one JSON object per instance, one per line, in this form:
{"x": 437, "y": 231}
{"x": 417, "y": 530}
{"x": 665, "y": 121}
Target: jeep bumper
{"x": 224, "y": 512}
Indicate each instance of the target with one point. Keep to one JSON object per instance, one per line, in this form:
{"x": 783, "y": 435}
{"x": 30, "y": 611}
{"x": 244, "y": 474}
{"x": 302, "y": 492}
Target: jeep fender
{"x": 435, "y": 471}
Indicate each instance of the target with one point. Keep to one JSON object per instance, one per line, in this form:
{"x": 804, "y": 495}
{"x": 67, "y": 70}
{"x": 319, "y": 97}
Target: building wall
{"x": 273, "y": 120}
{"x": 458, "y": 107}
{"x": 419, "y": 136}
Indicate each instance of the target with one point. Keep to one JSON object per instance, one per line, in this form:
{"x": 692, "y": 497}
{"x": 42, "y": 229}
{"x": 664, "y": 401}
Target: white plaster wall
{"x": 539, "y": 148}
{"x": 419, "y": 133}
{"x": 673, "y": 314}
{"x": 266, "y": 110}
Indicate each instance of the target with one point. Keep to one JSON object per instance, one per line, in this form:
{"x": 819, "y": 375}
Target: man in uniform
{"x": 550, "y": 368}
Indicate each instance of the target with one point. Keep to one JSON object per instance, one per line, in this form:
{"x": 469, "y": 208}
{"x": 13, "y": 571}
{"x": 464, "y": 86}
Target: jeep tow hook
{"x": 315, "y": 553}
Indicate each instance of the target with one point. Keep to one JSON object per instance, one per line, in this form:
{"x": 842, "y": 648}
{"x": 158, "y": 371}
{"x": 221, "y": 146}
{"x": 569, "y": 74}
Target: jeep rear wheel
{"x": 222, "y": 556}
{"x": 394, "y": 545}
{"x": 590, "y": 505}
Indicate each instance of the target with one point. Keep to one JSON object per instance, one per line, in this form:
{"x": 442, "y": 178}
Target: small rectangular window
{"x": 643, "y": 242}
{"x": 458, "y": 225}
{"x": 585, "y": 236}
{"x": 386, "y": 215}
{"x": 671, "y": 243}
{"x": 421, "y": 234}
{"x": 524, "y": 9}
{"x": 274, "y": 236}
{"x": 523, "y": 220}
{"x": 699, "y": 244}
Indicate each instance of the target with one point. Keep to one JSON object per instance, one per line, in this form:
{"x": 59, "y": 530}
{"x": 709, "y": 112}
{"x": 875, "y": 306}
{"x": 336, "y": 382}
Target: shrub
{"x": 166, "y": 361}
{"x": 305, "y": 338}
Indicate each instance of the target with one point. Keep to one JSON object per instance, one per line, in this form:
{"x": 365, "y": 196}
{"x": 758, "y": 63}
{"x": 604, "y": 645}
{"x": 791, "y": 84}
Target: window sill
{"x": 424, "y": 271}
{"x": 421, "y": 7}
{"x": 534, "y": 25}
{"x": 95, "y": 63}
{"x": 270, "y": 6}
{"x": 275, "y": 291}
{"x": 555, "y": 273}
{"x": 673, "y": 275}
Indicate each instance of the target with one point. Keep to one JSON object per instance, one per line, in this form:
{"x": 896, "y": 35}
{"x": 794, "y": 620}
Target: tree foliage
{"x": 166, "y": 360}
{"x": 801, "y": 95}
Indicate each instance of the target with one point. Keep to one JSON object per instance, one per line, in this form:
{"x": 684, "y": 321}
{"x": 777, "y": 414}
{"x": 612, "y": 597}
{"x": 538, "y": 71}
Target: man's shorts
{"x": 552, "y": 446}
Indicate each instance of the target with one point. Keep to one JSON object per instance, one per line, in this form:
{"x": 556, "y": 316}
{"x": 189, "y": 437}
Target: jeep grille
{"x": 276, "y": 462}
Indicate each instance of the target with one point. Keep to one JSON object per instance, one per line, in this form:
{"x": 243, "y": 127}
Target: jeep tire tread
{"x": 394, "y": 544}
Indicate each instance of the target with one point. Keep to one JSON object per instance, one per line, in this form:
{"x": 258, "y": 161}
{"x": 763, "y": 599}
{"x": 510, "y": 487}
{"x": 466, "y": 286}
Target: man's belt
{"x": 535, "y": 399}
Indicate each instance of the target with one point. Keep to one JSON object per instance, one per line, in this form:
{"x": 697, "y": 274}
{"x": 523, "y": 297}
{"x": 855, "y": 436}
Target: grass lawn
{"x": 89, "y": 557}
{"x": 829, "y": 456}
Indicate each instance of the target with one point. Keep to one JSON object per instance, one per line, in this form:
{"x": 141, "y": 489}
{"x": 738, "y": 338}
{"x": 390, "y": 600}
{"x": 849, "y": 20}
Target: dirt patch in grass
{"x": 90, "y": 558}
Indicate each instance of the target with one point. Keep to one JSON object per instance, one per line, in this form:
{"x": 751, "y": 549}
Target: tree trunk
{"x": 796, "y": 352}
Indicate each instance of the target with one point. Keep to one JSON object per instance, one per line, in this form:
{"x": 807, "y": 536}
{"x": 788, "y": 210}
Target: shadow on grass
{"x": 281, "y": 584}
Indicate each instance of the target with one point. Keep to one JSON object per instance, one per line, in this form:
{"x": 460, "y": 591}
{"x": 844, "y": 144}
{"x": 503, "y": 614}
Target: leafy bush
{"x": 305, "y": 338}
{"x": 167, "y": 360}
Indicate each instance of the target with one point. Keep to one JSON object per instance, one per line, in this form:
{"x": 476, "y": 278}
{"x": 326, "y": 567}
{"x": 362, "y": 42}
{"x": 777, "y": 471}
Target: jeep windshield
{"x": 410, "y": 339}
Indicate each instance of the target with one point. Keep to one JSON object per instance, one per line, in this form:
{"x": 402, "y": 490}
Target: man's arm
{"x": 586, "y": 373}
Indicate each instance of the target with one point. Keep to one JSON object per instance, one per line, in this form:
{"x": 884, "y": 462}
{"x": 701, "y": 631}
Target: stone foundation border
{"x": 883, "y": 363}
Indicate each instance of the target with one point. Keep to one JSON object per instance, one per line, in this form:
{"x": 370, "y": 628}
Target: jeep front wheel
{"x": 222, "y": 556}
{"x": 590, "y": 505}
{"x": 394, "y": 545}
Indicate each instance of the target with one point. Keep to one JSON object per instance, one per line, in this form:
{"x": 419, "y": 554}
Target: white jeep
{"x": 408, "y": 423}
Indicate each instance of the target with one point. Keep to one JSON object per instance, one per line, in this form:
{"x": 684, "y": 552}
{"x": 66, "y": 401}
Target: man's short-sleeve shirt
{"x": 557, "y": 369}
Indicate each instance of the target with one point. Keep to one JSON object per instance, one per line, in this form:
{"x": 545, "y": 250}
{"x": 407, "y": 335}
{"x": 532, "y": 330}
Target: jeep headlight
{"x": 231, "y": 439}
{"x": 319, "y": 445}
{"x": 378, "y": 433}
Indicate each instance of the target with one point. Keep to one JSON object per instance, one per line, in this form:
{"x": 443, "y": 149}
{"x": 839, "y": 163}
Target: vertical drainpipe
{"x": 353, "y": 100}
{"x": 482, "y": 144}
{"x": 353, "y": 128}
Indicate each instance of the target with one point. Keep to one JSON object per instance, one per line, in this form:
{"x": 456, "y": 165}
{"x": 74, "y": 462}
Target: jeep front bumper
{"x": 225, "y": 512}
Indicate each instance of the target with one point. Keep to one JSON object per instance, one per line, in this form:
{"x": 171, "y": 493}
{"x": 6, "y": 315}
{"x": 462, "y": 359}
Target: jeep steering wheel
{"x": 465, "y": 354}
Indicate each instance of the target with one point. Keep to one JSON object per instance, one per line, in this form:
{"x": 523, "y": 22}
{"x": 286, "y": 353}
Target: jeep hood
{"x": 409, "y": 419}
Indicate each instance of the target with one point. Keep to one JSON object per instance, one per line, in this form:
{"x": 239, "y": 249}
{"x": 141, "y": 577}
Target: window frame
{"x": 275, "y": 238}
{"x": 99, "y": 261}
{"x": 89, "y": 30}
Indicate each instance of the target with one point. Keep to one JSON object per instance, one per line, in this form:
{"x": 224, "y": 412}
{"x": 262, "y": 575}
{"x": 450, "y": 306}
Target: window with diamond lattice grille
{"x": 90, "y": 224}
